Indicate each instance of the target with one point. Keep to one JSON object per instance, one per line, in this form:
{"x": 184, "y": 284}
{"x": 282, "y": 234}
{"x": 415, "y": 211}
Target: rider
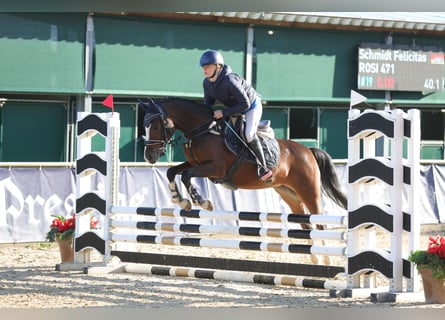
{"x": 238, "y": 97}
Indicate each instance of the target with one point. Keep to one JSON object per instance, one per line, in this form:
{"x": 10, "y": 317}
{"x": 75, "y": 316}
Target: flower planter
{"x": 434, "y": 289}
{"x": 62, "y": 227}
{"x": 66, "y": 249}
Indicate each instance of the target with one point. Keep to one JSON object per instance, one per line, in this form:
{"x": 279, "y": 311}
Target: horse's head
{"x": 158, "y": 130}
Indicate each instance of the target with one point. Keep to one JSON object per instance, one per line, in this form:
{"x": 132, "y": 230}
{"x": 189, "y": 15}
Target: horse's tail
{"x": 329, "y": 179}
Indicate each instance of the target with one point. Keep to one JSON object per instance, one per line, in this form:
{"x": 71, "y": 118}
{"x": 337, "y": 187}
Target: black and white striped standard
{"x": 224, "y": 275}
{"x": 231, "y": 215}
{"x": 383, "y": 148}
{"x": 87, "y": 163}
{"x": 231, "y": 230}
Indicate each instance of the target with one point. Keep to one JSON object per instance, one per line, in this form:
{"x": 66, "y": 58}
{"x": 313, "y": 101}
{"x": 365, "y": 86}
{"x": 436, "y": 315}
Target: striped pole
{"x": 231, "y": 244}
{"x": 237, "y": 276}
{"x": 231, "y": 215}
{"x": 231, "y": 230}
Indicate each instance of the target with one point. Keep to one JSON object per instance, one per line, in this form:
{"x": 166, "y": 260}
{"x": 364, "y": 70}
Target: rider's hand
{"x": 218, "y": 114}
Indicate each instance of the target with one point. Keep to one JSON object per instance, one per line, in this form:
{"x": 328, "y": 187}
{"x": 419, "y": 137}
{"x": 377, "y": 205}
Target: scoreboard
{"x": 400, "y": 68}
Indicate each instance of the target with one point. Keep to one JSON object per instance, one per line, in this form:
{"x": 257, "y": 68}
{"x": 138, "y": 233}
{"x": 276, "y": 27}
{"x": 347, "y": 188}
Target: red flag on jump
{"x": 108, "y": 102}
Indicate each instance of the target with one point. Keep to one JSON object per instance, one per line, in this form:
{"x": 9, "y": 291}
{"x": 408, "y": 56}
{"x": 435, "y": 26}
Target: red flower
{"x": 93, "y": 223}
{"x": 437, "y": 246}
{"x": 63, "y": 228}
{"x": 63, "y": 225}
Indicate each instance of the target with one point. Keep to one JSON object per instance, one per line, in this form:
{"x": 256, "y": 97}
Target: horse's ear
{"x": 149, "y": 106}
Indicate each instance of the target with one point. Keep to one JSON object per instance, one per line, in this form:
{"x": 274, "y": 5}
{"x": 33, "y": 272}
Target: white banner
{"x": 28, "y": 196}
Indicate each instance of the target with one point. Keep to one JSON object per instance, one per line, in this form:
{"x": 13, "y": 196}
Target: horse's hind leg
{"x": 196, "y": 197}
{"x": 297, "y": 206}
{"x": 314, "y": 208}
{"x": 326, "y": 258}
{"x": 312, "y": 203}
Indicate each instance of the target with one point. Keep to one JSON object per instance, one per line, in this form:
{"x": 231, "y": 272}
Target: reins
{"x": 196, "y": 132}
{"x": 204, "y": 128}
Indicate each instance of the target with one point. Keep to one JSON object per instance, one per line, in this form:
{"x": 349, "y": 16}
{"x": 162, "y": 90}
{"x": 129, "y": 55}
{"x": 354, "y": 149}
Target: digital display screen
{"x": 400, "y": 68}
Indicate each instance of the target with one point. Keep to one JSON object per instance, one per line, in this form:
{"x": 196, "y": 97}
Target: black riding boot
{"x": 264, "y": 173}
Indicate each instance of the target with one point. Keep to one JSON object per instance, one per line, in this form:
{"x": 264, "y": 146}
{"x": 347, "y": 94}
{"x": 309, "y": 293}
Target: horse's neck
{"x": 189, "y": 124}
{"x": 188, "y": 118}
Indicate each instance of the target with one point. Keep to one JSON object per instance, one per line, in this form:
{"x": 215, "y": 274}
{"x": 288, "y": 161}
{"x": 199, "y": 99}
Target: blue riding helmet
{"x": 211, "y": 57}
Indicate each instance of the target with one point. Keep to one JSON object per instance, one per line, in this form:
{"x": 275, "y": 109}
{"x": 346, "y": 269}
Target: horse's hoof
{"x": 206, "y": 205}
{"x": 185, "y": 204}
{"x": 175, "y": 200}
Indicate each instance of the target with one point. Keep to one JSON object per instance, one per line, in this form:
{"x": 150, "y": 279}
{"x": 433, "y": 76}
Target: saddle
{"x": 233, "y": 133}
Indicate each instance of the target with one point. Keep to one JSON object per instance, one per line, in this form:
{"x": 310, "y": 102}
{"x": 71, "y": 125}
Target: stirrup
{"x": 264, "y": 173}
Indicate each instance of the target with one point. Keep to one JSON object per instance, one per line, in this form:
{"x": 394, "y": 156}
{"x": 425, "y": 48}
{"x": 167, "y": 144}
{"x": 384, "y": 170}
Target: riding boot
{"x": 264, "y": 173}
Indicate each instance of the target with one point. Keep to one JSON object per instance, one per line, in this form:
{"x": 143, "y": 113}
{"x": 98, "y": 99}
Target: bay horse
{"x": 299, "y": 177}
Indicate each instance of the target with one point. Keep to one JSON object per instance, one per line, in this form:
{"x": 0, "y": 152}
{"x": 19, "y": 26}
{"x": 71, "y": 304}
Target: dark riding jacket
{"x": 231, "y": 90}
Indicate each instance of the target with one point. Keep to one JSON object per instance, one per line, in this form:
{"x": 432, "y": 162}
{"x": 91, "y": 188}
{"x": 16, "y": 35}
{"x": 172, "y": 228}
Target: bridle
{"x": 166, "y": 133}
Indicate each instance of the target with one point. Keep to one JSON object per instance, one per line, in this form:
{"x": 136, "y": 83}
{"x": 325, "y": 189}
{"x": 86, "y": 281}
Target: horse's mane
{"x": 191, "y": 104}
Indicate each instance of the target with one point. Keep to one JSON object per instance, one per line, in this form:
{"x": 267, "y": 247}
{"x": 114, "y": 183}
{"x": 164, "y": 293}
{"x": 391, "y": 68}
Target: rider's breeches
{"x": 253, "y": 117}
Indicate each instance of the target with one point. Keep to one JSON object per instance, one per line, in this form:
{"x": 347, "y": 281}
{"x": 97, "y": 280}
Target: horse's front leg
{"x": 197, "y": 198}
{"x": 174, "y": 190}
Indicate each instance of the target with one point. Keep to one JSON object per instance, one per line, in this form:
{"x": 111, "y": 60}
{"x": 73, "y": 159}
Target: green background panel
{"x": 42, "y": 52}
{"x": 333, "y": 132}
{"x": 432, "y": 151}
{"x": 160, "y": 57}
{"x": 278, "y": 118}
{"x": 298, "y": 64}
{"x": 33, "y": 132}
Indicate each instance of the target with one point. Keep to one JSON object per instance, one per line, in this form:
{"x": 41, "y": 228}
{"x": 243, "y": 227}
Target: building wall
{"x": 295, "y": 70}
